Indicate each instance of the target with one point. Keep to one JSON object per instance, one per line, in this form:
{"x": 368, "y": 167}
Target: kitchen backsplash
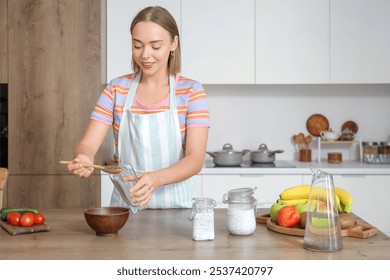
{"x": 248, "y": 115}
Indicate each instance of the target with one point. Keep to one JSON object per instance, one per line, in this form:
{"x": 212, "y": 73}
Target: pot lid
{"x": 228, "y": 149}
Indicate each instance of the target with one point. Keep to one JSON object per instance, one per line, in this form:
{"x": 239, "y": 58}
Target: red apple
{"x": 288, "y": 216}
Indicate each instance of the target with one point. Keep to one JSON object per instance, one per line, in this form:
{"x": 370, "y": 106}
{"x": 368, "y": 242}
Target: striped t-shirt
{"x": 191, "y": 105}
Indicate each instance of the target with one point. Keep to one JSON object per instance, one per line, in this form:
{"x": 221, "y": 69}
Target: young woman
{"x": 160, "y": 119}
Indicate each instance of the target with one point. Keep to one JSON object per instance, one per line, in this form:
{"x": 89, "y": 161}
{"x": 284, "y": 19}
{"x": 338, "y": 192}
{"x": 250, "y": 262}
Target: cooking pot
{"x": 263, "y": 155}
{"x": 228, "y": 156}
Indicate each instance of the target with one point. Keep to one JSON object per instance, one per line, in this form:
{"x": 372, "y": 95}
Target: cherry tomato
{"x": 39, "y": 219}
{"x": 14, "y": 218}
{"x": 27, "y": 219}
{"x": 288, "y": 216}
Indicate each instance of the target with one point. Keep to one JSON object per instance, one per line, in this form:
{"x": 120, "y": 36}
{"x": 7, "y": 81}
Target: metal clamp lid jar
{"x": 202, "y": 217}
{"x": 241, "y": 211}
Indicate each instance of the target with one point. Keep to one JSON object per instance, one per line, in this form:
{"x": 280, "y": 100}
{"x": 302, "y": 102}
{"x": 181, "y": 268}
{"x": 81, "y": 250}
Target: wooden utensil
{"x": 111, "y": 169}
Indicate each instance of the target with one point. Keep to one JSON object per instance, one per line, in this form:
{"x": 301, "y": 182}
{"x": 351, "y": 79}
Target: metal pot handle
{"x": 271, "y": 153}
{"x": 211, "y": 154}
{"x": 244, "y": 152}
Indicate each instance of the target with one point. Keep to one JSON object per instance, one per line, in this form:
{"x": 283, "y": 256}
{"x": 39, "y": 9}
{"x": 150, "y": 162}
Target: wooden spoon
{"x": 308, "y": 140}
{"x": 112, "y": 169}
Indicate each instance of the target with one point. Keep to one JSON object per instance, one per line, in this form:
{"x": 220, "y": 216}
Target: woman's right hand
{"x": 77, "y": 169}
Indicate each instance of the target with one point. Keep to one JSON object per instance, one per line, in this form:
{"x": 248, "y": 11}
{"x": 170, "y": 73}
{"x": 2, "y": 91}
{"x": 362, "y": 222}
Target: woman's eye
{"x": 156, "y": 48}
{"x": 137, "y": 47}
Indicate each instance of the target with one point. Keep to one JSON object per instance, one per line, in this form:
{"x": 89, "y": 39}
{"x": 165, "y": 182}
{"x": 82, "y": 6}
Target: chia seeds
{"x": 203, "y": 226}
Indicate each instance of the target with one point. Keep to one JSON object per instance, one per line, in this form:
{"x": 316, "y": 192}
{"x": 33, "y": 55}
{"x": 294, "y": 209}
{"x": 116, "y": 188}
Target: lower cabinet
{"x": 268, "y": 186}
{"x": 370, "y": 197}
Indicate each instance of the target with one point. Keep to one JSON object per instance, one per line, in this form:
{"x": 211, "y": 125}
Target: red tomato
{"x": 288, "y": 216}
{"x": 39, "y": 219}
{"x": 27, "y": 219}
{"x": 14, "y": 218}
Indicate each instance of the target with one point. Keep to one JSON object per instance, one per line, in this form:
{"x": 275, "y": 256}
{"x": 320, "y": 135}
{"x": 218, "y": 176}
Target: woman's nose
{"x": 146, "y": 52}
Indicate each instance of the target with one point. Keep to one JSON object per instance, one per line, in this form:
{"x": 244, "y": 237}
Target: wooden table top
{"x": 167, "y": 234}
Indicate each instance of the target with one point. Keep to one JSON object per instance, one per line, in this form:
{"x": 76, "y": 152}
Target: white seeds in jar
{"x": 203, "y": 226}
{"x": 241, "y": 222}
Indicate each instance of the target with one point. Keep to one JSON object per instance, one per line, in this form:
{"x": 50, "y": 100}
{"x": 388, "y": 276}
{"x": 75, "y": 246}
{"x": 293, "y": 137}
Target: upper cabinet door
{"x": 360, "y": 41}
{"x": 120, "y": 14}
{"x": 218, "y": 41}
{"x": 292, "y": 41}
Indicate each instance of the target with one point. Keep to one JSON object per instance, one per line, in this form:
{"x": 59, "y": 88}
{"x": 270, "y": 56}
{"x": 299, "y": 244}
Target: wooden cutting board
{"x": 358, "y": 230}
{"x": 14, "y": 230}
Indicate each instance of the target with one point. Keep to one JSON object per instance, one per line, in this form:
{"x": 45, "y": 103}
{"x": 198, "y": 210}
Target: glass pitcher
{"x": 322, "y": 231}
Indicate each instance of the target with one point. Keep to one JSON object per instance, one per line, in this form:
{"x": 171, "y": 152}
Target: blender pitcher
{"x": 322, "y": 231}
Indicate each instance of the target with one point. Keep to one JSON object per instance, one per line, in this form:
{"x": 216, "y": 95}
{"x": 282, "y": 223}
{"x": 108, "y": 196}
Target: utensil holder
{"x": 305, "y": 155}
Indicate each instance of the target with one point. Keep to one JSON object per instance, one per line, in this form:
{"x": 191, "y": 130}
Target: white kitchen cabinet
{"x": 360, "y": 41}
{"x": 120, "y": 14}
{"x": 292, "y": 41}
{"x": 370, "y": 197}
{"x": 268, "y": 186}
{"x": 218, "y": 41}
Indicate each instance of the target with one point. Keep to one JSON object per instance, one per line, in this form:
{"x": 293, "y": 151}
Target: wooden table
{"x": 167, "y": 234}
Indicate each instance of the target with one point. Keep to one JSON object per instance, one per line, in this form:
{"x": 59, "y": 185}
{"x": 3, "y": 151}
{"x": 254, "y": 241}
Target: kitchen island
{"x": 167, "y": 235}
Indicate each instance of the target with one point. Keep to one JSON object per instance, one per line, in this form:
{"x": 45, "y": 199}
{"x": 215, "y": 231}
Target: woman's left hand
{"x": 142, "y": 191}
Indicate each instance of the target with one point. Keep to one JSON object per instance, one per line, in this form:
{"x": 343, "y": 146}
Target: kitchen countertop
{"x": 300, "y": 168}
{"x": 167, "y": 234}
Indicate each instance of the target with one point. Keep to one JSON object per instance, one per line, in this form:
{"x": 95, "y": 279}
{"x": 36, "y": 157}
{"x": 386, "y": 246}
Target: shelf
{"x": 339, "y": 142}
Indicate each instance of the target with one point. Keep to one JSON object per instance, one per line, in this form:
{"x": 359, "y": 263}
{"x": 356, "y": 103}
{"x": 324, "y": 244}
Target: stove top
{"x": 250, "y": 164}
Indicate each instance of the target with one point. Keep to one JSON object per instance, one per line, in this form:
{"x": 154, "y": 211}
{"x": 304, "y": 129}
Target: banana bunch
{"x": 300, "y": 194}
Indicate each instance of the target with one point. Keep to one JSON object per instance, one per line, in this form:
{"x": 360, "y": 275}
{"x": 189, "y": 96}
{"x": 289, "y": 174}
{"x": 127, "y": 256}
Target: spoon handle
{"x": 84, "y": 164}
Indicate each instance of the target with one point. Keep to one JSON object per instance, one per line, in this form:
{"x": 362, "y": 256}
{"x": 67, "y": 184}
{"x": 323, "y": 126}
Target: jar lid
{"x": 386, "y": 143}
{"x": 239, "y": 195}
{"x": 203, "y": 203}
{"x": 370, "y": 143}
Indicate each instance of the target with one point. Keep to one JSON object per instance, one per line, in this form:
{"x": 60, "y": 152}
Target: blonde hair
{"x": 162, "y": 17}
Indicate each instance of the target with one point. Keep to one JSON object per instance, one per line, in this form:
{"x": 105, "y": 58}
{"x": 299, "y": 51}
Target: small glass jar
{"x": 241, "y": 211}
{"x": 384, "y": 152}
{"x": 202, "y": 217}
{"x": 370, "y": 152}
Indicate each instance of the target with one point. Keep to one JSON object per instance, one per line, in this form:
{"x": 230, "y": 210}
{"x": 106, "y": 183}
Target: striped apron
{"x": 151, "y": 142}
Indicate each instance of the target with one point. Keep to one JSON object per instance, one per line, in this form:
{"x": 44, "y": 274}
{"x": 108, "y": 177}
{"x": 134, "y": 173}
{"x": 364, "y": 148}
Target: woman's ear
{"x": 174, "y": 43}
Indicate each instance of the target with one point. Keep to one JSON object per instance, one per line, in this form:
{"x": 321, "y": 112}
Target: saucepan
{"x": 263, "y": 155}
{"x": 228, "y": 156}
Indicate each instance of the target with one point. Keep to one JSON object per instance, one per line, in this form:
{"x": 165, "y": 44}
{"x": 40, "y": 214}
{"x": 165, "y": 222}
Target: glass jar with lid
{"x": 241, "y": 211}
{"x": 202, "y": 217}
{"x": 384, "y": 152}
{"x": 370, "y": 152}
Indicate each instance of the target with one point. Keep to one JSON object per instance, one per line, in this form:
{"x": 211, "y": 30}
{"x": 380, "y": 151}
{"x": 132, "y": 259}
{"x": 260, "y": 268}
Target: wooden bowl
{"x": 107, "y": 221}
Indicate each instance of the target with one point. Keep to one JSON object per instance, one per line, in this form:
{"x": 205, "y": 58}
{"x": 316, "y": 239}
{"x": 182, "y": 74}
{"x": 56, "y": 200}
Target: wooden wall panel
{"x": 3, "y": 42}
{"x": 54, "y": 80}
{"x": 53, "y": 191}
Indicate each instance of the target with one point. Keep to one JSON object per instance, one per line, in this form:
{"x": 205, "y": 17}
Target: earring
{"x": 172, "y": 53}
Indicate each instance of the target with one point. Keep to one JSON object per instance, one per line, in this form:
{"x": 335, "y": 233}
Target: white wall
{"x": 247, "y": 116}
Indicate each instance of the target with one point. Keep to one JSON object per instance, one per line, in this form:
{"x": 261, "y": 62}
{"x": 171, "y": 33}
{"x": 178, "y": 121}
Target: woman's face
{"x": 152, "y": 45}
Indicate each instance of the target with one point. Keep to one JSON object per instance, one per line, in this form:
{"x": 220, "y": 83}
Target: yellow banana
{"x": 297, "y": 192}
{"x": 345, "y": 199}
{"x": 303, "y": 192}
{"x": 292, "y": 201}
